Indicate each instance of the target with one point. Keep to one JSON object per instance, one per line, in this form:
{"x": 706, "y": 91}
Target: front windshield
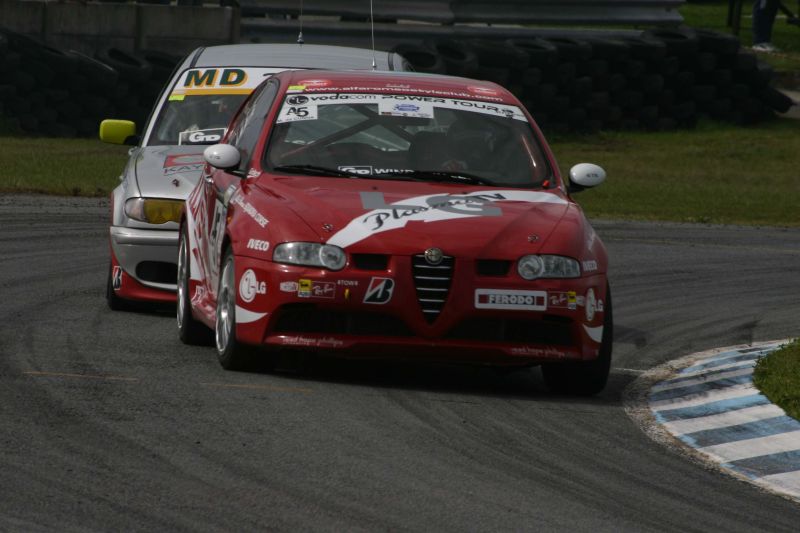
{"x": 202, "y": 102}
{"x": 394, "y": 136}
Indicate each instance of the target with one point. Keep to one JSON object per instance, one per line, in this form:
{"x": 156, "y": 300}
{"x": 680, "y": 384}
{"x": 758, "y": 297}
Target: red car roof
{"x": 323, "y": 81}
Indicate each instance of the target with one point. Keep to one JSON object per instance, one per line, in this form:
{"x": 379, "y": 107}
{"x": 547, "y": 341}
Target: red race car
{"x": 408, "y": 216}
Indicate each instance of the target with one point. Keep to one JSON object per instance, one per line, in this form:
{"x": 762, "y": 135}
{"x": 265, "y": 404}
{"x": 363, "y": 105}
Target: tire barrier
{"x": 50, "y": 92}
{"x": 659, "y": 80}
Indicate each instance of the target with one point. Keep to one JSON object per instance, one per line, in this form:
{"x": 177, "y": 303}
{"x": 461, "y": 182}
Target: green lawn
{"x": 778, "y": 376}
{"x": 71, "y": 167}
{"x": 714, "y": 174}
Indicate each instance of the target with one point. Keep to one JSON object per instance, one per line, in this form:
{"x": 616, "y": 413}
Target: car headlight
{"x": 548, "y": 266}
{"x": 154, "y": 210}
{"x": 310, "y": 254}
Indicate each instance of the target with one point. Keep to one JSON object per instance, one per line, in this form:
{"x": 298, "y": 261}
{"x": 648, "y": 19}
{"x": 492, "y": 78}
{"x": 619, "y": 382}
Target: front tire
{"x": 231, "y": 354}
{"x": 589, "y": 377}
{"x": 190, "y": 330}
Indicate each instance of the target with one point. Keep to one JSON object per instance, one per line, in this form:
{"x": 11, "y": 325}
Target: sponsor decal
{"x": 323, "y": 289}
{"x": 510, "y": 300}
{"x": 209, "y": 136}
{"x": 251, "y": 211}
{"x": 258, "y": 245}
{"x": 249, "y": 286}
{"x": 347, "y": 283}
{"x": 366, "y": 170}
{"x": 307, "y": 288}
{"x": 591, "y": 305}
{"x": 432, "y": 208}
{"x": 406, "y": 109}
{"x": 253, "y": 173}
{"x": 315, "y": 83}
{"x": 322, "y": 342}
{"x": 299, "y": 99}
{"x": 563, "y": 300}
{"x": 289, "y": 286}
{"x": 295, "y": 88}
{"x": 199, "y": 293}
{"x": 550, "y": 353}
{"x": 304, "y": 288}
{"x": 175, "y": 164}
{"x": 296, "y": 113}
{"x": 589, "y": 266}
{"x": 216, "y": 80}
{"x": 116, "y": 278}
{"x": 422, "y": 91}
{"x": 483, "y": 91}
{"x": 379, "y": 291}
{"x": 403, "y": 104}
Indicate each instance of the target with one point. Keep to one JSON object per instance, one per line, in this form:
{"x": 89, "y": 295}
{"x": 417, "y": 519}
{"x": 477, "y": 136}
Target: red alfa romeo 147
{"x": 391, "y": 215}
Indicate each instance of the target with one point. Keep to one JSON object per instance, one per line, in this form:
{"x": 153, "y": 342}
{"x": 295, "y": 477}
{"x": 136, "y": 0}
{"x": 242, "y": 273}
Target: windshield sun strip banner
{"x": 221, "y": 80}
{"x": 304, "y": 106}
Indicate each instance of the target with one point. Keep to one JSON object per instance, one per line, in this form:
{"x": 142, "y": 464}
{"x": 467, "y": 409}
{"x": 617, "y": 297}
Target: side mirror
{"x": 222, "y": 156}
{"x": 118, "y": 132}
{"x": 585, "y": 175}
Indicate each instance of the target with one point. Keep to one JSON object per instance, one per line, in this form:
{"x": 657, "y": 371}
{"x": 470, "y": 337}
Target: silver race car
{"x": 193, "y": 110}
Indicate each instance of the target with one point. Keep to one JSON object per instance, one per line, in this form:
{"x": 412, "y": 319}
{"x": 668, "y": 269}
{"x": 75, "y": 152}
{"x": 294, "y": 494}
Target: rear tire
{"x": 190, "y": 330}
{"x": 589, "y": 377}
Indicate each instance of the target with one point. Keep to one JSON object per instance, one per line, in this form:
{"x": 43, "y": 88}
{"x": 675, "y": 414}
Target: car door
{"x": 221, "y": 185}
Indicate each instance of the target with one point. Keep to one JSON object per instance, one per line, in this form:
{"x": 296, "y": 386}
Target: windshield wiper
{"x": 441, "y": 175}
{"x": 314, "y": 170}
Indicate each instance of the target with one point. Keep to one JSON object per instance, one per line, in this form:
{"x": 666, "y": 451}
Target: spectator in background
{"x": 764, "y": 12}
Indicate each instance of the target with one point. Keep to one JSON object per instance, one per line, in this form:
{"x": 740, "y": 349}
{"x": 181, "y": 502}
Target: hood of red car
{"x": 402, "y": 217}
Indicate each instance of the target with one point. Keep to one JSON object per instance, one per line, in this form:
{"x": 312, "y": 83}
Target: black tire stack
{"x": 50, "y": 92}
{"x": 658, "y": 80}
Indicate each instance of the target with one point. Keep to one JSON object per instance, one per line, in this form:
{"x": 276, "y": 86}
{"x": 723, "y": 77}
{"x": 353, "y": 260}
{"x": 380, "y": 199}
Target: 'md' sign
{"x": 221, "y": 80}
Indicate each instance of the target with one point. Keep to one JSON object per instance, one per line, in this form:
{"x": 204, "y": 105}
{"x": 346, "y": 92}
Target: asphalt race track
{"x": 110, "y": 423}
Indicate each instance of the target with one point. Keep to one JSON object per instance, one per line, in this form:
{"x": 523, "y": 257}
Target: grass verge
{"x": 778, "y": 376}
{"x": 713, "y": 174}
{"x": 65, "y": 167}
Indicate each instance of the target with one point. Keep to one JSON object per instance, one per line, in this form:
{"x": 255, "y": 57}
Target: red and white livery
{"x": 394, "y": 215}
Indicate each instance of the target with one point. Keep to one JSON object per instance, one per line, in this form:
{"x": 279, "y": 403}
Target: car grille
{"x": 432, "y": 283}
{"x": 553, "y": 330}
{"x": 308, "y": 318}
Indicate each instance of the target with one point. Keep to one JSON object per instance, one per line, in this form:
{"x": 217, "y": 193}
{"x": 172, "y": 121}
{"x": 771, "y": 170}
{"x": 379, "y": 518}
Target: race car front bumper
{"x": 361, "y": 314}
{"x": 148, "y": 260}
